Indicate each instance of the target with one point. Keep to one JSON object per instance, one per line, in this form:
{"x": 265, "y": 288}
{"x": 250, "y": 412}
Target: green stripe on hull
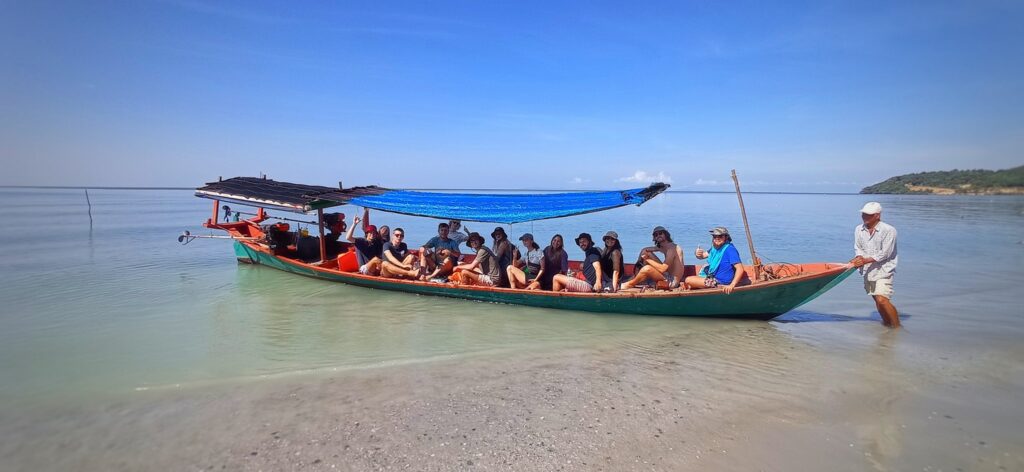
{"x": 765, "y": 303}
{"x": 242, "y": 253}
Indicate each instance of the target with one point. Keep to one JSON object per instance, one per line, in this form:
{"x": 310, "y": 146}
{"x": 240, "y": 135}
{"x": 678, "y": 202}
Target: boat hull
{"x": 761, "y": 301}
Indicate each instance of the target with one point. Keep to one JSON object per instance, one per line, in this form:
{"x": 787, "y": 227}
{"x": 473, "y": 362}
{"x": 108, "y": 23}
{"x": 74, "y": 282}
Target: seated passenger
{"x": 368, "y": 249}
{"x": 591, "y": 269}
{"x": 440, "y": 255}
{"x": 502, "y": 249}
{"x": 484, "y": 268}
{"x": 384, "y": 231}
{"x": 724, "y": 265}
{"x": 654, "y": 269}
{"x": 611, "y": 261}
{"x": 524, "y": 270}
{"x": 454, "y": 232}
{"x": 398, "y": 261}
{"x": 554, "y": 262}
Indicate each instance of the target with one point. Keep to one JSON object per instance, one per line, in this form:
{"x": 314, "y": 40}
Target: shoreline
{"x": 661, "y": 406}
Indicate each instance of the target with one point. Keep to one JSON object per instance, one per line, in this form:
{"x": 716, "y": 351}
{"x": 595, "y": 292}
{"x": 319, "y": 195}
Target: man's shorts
{"x": 710, "y": 282}
{"x": 880, "y": 287}
{"x": 577, "y": 285}
{"x": 669, "y": 278}
{"x": 441, "y": 260}
{"x": 485, "y": 280}
{"x": 365, "y": 269}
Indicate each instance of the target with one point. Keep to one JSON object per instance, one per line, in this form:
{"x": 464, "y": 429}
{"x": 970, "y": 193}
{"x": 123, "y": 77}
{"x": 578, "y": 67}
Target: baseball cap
{"x": 872, "y": 208}
{"x": 719, "y": 231}
{"x": 526, "y": 236}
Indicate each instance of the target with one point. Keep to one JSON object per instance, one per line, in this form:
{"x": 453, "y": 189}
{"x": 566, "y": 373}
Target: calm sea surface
{"x": 96, "y": 312}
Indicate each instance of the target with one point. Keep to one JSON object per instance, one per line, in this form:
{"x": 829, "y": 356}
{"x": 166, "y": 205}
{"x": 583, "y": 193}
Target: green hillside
{"x": 1008, "y": 181}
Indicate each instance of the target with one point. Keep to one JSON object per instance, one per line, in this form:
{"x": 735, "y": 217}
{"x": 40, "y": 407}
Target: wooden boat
{"x": 786, "y": 287}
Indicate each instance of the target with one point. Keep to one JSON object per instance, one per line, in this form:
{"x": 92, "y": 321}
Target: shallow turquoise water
{"x": 100, "y": 311}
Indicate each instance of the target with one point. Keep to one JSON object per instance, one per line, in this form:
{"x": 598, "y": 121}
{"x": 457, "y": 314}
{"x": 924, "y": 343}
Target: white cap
{"x": 872, "y": 208}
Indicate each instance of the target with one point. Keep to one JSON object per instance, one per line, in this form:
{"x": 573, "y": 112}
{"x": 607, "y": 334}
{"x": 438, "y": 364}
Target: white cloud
{"x": 644, "y": 177}
{"x": 707, "y": 182}
{"x": 578, "y": 180}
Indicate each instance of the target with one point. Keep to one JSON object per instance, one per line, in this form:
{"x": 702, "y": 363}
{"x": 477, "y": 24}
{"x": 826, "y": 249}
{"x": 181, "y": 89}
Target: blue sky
{"x": 815, "y": 96}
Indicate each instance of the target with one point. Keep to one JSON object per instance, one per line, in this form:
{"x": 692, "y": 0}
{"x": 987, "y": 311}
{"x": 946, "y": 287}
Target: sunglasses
{"x": 399, "y": 235}
{"x": 656, "y": 233}
{"x": 718, "y": 236}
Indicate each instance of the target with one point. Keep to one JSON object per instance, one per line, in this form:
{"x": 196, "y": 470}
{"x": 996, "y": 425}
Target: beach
{"x": 141, "y": 354}
{"x": 664, "y": 405}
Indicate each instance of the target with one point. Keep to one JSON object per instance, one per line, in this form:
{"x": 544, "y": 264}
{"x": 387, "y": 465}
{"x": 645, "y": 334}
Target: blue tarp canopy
{"x": 501, "y": 208}
{"x": 504, "y": 208}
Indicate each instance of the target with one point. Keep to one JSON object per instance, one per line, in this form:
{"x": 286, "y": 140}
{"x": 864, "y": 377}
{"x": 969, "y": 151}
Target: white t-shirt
{"x": 533, "y": 257}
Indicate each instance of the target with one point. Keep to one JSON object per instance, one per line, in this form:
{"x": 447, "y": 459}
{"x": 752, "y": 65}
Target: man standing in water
{"x": 875, "y": 246}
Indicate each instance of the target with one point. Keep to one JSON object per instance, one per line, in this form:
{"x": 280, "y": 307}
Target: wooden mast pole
{"x": 323, "y": 244}
{"x": 750, "y": 241}
{"x": 216, "y": 212}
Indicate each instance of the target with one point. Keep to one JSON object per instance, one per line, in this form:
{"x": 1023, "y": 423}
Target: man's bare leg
{"x": 392, "y": 271}
{"x": 646, "y": 273}
{"x": 442, "y": 270}
{"x": 890, "y": 317}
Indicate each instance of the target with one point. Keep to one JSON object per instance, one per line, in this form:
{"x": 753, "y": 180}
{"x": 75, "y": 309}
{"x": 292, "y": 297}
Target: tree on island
{"x": 974, "y": 181}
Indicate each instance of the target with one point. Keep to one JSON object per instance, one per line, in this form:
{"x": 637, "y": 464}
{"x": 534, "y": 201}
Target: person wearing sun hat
{"x": 875, "y": 249}
{"x": 484, "y": 268}
{"x": 590, "y": 267}
{"x": 524, "y": 270}
{"x": 502, "y": 249}
{"x": 654, "y": 270}
{"x": 724, "y": 267}
{"x": 611, "y": 261}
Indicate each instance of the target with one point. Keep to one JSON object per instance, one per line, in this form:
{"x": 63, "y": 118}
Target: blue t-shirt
{"x": 726, "y": 271}
{"x": 437, "y": 243}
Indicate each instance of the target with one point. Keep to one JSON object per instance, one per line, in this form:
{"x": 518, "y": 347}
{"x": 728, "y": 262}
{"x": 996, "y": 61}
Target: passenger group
{"x": 383, "y": 252}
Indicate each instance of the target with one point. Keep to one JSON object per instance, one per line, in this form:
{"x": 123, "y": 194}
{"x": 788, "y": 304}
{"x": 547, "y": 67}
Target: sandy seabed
{"x": 657, "y": 406}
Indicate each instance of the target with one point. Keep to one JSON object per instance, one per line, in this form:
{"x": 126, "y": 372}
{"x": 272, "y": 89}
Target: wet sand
{"x": 664, "y": 404}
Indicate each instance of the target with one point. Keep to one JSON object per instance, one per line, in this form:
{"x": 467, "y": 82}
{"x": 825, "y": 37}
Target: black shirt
{"x": 608, "y": 260}
{"x": 399, "y": 252}
{"x": 365, "y": 250}
{"x": 552, "y": 265}
{"x": 592, "y": 256}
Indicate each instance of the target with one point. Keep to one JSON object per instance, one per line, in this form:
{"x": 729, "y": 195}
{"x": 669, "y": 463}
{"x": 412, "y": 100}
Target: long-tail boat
{"x": 773, "y": 290}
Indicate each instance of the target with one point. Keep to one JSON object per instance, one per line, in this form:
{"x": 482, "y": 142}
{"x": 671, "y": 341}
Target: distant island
{"x": 953, "y": 182}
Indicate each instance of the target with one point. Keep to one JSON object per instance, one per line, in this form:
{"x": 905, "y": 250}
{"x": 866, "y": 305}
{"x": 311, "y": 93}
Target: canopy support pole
{"x": 216, "y": 212}
{"x": 750, "y": 241}
{"x": 320, "y": 225}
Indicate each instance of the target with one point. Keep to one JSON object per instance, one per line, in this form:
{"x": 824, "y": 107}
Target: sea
{"x": 99, "y": 301}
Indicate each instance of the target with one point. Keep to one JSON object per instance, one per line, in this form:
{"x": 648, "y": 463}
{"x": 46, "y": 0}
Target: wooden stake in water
{"x": 90, "y": 206}
{"x": 746, "y": 227}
